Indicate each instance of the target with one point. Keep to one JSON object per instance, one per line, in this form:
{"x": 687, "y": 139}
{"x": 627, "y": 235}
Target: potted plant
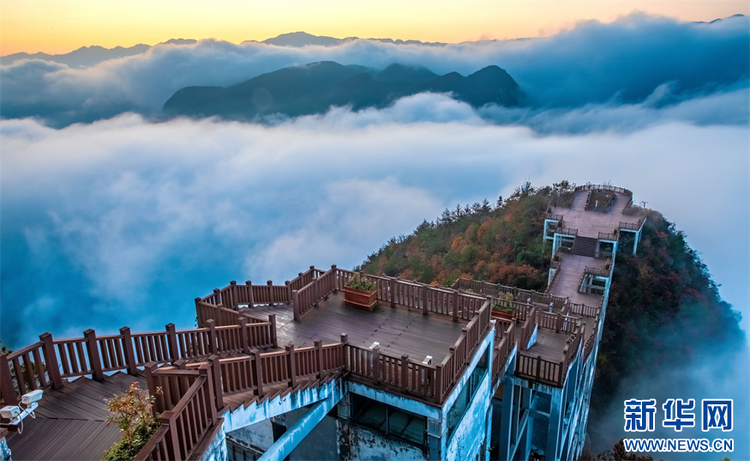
{"x": 504, "y": 308}
{"x": 360, "y": 292}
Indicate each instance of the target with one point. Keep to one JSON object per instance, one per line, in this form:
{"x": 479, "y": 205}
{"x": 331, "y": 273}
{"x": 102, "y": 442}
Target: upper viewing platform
{"x": 594, "y": 211}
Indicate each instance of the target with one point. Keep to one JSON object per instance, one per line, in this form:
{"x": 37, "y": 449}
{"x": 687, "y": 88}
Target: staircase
{"x": 585, "y": 246}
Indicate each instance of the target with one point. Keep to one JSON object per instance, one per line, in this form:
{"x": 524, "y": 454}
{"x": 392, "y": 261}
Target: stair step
{"x": 584, "y": 246}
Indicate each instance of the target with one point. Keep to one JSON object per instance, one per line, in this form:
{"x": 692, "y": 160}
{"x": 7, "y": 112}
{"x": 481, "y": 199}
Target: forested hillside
{"x": 664, "y": 309}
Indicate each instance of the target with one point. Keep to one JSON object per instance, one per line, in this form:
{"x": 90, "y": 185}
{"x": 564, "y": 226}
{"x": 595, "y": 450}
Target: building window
{"x": 391, "y": 421}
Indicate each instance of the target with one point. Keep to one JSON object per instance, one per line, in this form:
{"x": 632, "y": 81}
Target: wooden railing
{"x": 583, "y": 309}
{"x": 604, "y": 187}
{"x": 607, "y": 236}
{"x": 539, "y": 369}
{"x": 188, "y": 411}
{"x": 520, "y": 296}
{"x": 49, "y": 361}
{"x": 597, "y": 271}
{"x": 527, "y": 329}
{"x": 555, "y": 321}
{"x": 233, "y": 295}
{"x": 631, "y": 226}
{"x": 566, "y": 231}
{"x": 505, "y": 340}
{"x": 311, "y": 294}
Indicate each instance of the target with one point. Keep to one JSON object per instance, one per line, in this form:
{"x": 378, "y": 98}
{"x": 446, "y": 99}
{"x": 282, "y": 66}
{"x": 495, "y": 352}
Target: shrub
{"x": 132, "y": 412}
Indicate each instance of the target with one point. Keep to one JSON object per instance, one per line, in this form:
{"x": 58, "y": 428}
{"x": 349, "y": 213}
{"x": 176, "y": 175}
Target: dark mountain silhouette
{"x": 314, "y": 88}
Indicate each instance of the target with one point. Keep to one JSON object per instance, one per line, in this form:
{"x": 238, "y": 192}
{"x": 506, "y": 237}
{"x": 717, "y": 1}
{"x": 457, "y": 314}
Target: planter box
{"x": 498, "y": 314}
{"x": 365, "y": 300}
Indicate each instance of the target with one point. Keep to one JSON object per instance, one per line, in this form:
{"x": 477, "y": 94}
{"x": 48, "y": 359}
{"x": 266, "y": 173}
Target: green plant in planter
{"x": 131, "y": 411}
{"x": 505, "y": 305}
{"x": 359, "y": 283}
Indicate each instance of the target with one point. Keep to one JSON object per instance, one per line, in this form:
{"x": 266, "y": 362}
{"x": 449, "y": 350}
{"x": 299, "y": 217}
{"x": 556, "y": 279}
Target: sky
{"x": 112, "y": 215}
{"x": 54, "y": 26}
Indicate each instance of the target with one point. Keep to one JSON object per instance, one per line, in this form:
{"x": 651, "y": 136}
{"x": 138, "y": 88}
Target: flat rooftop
{"x": 398, "y": 330}
{"x": 588, "y": 222}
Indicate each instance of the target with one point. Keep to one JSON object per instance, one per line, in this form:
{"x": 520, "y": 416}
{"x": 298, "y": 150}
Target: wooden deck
{"x": 588, "y": 222}
{"x": 70, "y": 423}
{"x": 567, "y": 282}
{"x": 398, "y": 330}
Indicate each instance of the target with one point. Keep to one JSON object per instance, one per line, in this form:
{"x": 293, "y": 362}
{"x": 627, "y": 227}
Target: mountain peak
{"x": 300, "y": 39}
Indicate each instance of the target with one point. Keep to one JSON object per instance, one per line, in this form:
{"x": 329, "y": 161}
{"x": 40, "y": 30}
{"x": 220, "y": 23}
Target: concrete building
{"x": 309, "y": 370}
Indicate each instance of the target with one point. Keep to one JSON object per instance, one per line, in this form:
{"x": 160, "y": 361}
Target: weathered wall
{"x": 472, "y": 433}
{"x": 258, "y": 436}
{"x": 367, "y": 445}
{"x": 322, "y": 443}
{"x": 245, "y": 416}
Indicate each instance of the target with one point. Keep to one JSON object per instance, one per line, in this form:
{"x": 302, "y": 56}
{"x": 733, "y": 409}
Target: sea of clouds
{"x": 111, "y": 215}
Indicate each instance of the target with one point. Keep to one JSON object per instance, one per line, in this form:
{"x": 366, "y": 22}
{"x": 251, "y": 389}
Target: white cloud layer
{"x": 125, "y": 221}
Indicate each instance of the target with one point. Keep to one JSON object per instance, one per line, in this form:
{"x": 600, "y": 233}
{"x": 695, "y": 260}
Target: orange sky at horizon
{"x": 61, "y": 26}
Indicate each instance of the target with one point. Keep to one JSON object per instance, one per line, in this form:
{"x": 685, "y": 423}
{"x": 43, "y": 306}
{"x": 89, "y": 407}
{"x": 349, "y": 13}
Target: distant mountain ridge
{"x": 300, "y": 39}
{"x": 315, "y": 88}
{"x": 87, "y": 56}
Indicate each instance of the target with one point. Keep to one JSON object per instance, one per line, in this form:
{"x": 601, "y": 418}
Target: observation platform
{"x": 399, "y": 330}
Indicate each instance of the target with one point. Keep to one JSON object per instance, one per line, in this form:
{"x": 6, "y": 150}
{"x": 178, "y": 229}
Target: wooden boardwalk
{"x": 398, "y": 330}
{"x": 70, "y": 423}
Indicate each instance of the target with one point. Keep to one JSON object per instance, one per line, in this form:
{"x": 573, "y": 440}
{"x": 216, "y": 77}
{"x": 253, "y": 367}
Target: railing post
{"x": 291, "y": 365}
{"x": 295, "y": 305}
{"x": 199, "y": 312}
{"x": 216, "y": 378}
{"x": 149, "y": 370}
{"x": 438, "y": 391}
{"x": 233, "y": 295}
{"x": 258, "y": 372}
{"x": 272, "y": 321}
{"x": 344, "y": 341}
{"x": 392, "y": 285}
{"x": 538, "y": 366}
{"x": 404, "y": 371}
{"x": 207, "y": 370}
{"x": 6, "y": 382}
{"x": 216, "y": 298}
{"x": 213, "y": 346}
{"x": 288, "y": 285}
{"x": 174, "y": 353}
{"x": 336, "y": 279}
{"x": 53, "y": 367}
{"x": 250, "y": 297}
{"x": 127, "y": 347}
{"x": 424, "y": 298}
{"x": 455, "y": 306}
{"x": 319, "y": 356}
{"x": 270, "y": 293}
{"x": 376, "y": 363}
{"x": 169, "y": 418}
{"x": 244, "y": 345}
{"x": 93, "y": 350}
